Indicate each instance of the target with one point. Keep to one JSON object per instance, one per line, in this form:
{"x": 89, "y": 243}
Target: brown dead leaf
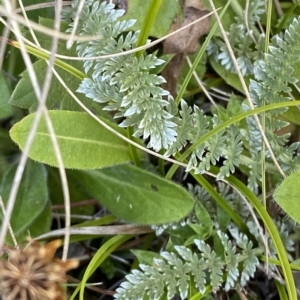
{"x": 185, "y": 42}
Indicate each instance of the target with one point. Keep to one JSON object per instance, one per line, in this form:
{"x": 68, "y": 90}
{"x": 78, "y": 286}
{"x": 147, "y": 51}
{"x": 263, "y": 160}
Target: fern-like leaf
{"x": 232, "y": 260}
{"x": 174, "y": 272}
{"x": 273, "y": 76}
{"x": 251, "y": 261}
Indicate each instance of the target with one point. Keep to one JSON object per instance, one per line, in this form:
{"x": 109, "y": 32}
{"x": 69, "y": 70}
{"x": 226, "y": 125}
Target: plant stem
{"x": 147, "y": 24}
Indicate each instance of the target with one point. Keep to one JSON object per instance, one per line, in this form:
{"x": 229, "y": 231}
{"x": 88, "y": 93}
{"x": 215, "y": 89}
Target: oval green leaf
{"x": 5, "y": 108}
{"x": 32, "y": 213}
{"x": 135, "y": 195}
{"x": 287, "y": 196}
{"x": 83, "y": 142}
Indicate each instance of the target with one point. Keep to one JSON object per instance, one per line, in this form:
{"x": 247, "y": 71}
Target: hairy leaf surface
{"x": 287, "y": 196}
{"x": 83, "y": 142}
{"x": 31, "y": 214}
{"x": 5, "y": 107}
{"x": 135, "y": 195}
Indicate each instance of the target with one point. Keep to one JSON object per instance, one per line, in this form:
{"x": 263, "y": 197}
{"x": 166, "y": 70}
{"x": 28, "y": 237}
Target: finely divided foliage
{"x": 243, "y": 41}
{"x": 124, "y": 83}
{"x": 203, "y": 267}
{"x": 173, "y": 273}
{"x": 127, "y": 87}
{"x": 129, "y": 90}
{"x": 273, "y": 76}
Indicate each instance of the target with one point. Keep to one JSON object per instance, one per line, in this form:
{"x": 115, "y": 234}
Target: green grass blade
{"x": 105, "y": 250}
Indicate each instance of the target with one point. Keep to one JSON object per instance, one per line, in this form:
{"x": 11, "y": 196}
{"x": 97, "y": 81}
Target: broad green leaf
{"x": 234, "y": 106}
{"x": 135, "y": 195}
{"x": 4, "y": 165}
{"x": 31, "y": 213}
{"x": 76, "y": 193}
{"x": 287, "y": 196}
{"x": 137, "y": 9}
{"x": 7, "y": 147}
{"x": 218, "y": 245}
{"x": 46, "y": 42}
{"x": 41, "y": 224}
{"x": 8, "y": 150}
{"x": 5, "y": 107}
{"x": 83, "y": 142}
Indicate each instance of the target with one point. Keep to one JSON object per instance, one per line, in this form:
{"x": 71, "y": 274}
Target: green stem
{"x": 105, "y": 250}
{"x": 263, "y": 119}
{"x": 281, "y": 291}
{"x": 161, "y": 165}
{"x": 286, "y": 17}
{"x": 147, "y": 24}
{"x": 43, "y": 55}
{"x": 277, "y": 262}
{"x": 200, "y": 295}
